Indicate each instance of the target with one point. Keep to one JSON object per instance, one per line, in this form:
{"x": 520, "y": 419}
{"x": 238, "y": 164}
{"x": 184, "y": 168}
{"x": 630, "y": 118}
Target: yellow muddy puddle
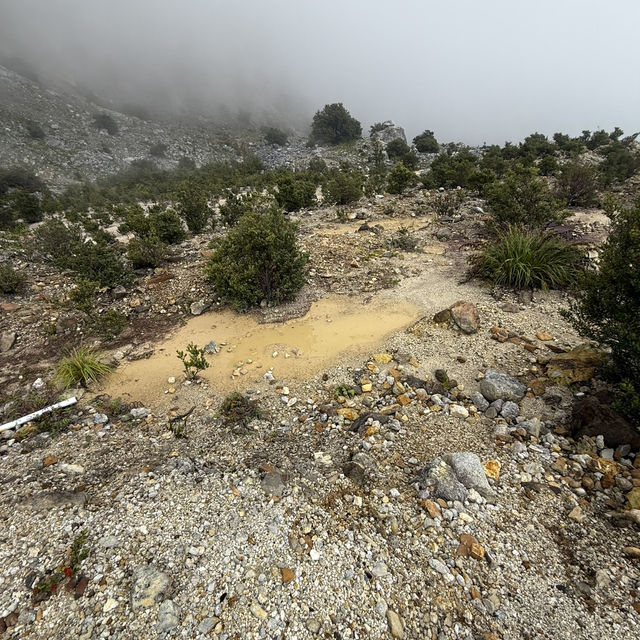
{"x": 335, "y": 328}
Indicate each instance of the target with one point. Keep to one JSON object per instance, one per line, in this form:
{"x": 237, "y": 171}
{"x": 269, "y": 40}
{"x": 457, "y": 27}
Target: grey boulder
{"x": 500, "y": 386}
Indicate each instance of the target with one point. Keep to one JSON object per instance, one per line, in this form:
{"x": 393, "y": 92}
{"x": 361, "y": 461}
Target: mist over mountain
{"x": 470, "y": 71}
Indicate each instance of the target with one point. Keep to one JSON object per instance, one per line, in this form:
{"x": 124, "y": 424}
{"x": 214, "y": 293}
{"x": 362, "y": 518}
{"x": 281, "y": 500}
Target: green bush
{"x": 109, "y": 324}
{"x": 82, "y": 296}
{"x": 525, "y": 259}
{"x": 146, "y": 252}
{"x": 53, "y": 238}
{"x": 258, "y": 260}
{"x": 295, "y": 191}
{"x": 400, "y": 178}
{"x": 81, "y": 367}
{"x": 234, "y": 208}
{"x": 451, "y": 170}
{"x": 567, "y": 144}
{"x": 375, "y": 127}
{"x": 426, "y": 142}
{"x": 607, "y": 302}
{"x": 317, "y": 165}
{"x": 578, "y": 184}
{"x": 446, "y": 204}
{"x": 272, "y": 135}
{"x": 548, "y": 165}
{"x": 522, "y": 198}
{"x": 399, "y": 151}
{"x": 20, "y": 178}
{"x": 536, "y": 145}
{"x": 193, "y": 208}
{"x": 11, "y": 281}
{"x": 619, "y": 163}
{"x": 343, "y": 186}
{"x": 167, "y": 226}
{"x": 334, "y": 124}
{"x": 105, "y": 122}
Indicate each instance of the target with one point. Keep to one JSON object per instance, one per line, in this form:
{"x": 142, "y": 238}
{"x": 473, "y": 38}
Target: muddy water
{"x": 335, "y": 328}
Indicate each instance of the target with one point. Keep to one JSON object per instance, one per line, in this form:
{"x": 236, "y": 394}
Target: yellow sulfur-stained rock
{"x": 382, "y": 358}
{"x": 492, "y": 468}
{"x": 349, "y": 414}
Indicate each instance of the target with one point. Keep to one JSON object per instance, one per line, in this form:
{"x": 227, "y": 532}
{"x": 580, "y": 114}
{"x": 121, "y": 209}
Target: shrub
{"x": 81, "y": 367}
{"x": 607, "y": 302}
{"x": 343, "y": 187}
{"x": 400, "y": 178}
{"x": 523, "y": 259}
{"x": 451, "y": 170}
{"x": 82, "y": 296}
{"x": 446, "y": 204}
{"x": 20, "y": 178}
{"x": 193, "y": 361}
{"x": 548, "y": 165}
{"x": 577, "y": 184}
{"x": 11, "y": 281}
{"x": 272, "y": 135}
{"x": 234, "y": 208}
{"x": 375, "y": 127}
{"x": 404, "y": 240}
{"x": 426, "y": 142}
{"x": 53, "y": 239}
{"x": 193, "y": 208}
{"x": 536, "y": 145}
{"x": 158, "y": 150}
{"x": 236, "y": 409}
{"x": 96, "y": 261}
{"x": 105, "y": 122}
{"x": 399, "y": 150}
{"x": 334, "y": 124}
{"x": 258, "y": 260}
{"x": 568, "y": 144}
{"x": 479, "y": 179}
{"x": 108, "y": 324}
{"x": 295, "y": 191}
{"x": 522, "y": 198}
{"x": 317, "y": 164}
{"x": 146, "y": 251}
{"x": 34, "y": 130}
{"x": 619, "y": 163}
{"x": 167, "y": 226}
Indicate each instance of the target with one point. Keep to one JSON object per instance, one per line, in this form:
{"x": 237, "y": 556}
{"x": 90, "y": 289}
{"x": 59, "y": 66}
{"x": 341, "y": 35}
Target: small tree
{"x": 426, "y": 142}
{"x": 258, "y": 260}
{"x": 193, "y": 361}
{"x": 272, "y": 135}
{"x": 334, "y": 124}
{"x": 295, "y": 191}
{"x": 399, "y": 151}
{"x": 343, "y": 187}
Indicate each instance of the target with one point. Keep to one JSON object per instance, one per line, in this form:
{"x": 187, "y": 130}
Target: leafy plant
{"x": 272, "y": 135}
{"x": 334, "y": 124}
{"x": 400, "y": 178}
{"x": 105, "y": 122}
{"x": 82, "y": 296}
{"x": 238, "y": 409}
{"x": 345, "y": 391}
{"x": 11, "y": 281}
{"x": 607, "y": 301}
{"x": 193, "y": 361}
{"x": 81, "y": 367}
{"x": 404, "y": 240}
{"x": 522, "y": 198}
{"x": 522, "y": 259}
{"x": 146, "y": 251}
{"x": 446, "y": 203}
{"x": 108, "y": 324}
{"x": 578, "y": 184}
{"x": 167, "y": 226}
{"x": 426, "y": 142}
{"x": 399, "y": 151}
{"x": 343, "y": 186}
{"x": 193, "y": 207}
{"x": 259, "y": 259}
{"x": 295, "y": 191}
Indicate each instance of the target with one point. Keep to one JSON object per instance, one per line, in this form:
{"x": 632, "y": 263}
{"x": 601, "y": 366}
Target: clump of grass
{"x": 238, "y": 409}
{"x": 81, "y": 367}
{"x": 523, "y": 259}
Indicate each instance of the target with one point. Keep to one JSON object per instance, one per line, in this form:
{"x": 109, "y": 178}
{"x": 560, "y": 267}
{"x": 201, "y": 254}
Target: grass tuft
{"x": 81, "y": 367}
{"x": 524, "y": 259}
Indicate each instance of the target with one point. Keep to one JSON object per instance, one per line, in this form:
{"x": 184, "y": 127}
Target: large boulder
{"x": 500, "y": 386}
{"x": 593, "y": 416}
{"x": 390, "y": 133}
{"x": 577, "y": 365}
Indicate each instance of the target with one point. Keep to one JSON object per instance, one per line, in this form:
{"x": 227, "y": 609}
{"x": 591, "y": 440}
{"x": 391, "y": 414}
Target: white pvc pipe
{"x": 36, "y": 414}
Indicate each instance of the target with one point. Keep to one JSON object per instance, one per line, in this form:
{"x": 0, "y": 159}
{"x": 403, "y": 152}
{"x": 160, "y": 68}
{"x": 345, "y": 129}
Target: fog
{"x": 471, "y": 71}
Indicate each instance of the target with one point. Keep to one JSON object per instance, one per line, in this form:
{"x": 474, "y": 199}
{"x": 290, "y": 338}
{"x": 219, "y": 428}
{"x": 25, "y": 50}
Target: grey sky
{"x": 470, "y": 70}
